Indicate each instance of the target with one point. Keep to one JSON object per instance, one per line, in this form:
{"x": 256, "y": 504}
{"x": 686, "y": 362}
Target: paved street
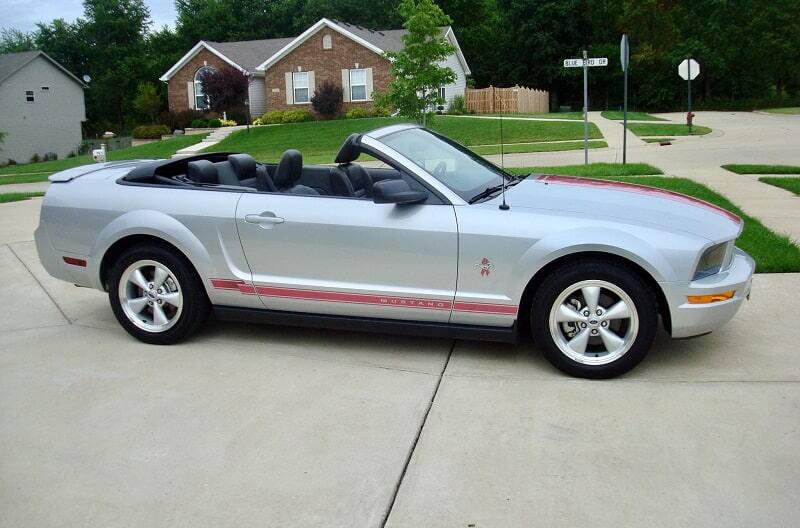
{"x": 262, "y": 426}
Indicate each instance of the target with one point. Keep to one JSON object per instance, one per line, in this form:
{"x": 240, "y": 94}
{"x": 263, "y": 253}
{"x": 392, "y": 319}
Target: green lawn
{"x": 595, "y": 170}
{"x": 762, "y": 169}
{"x": 772, "y": 252}
{"x": 789, "y": 110}
{"x": 657, "y": 140}
{"x": 545, "y": 115}
{"x": 667, "y": 129}
{"x": 632, "y": 116}
{"x": 320, "y": 140}
{"x": 790, "y": 184}
{"x": 517, "y": 148}
{"x": 17, "y": 197}
{"x": 157, "y": 149}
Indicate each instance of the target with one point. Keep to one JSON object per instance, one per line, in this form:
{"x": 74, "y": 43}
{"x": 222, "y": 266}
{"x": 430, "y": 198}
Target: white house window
{"x": 358, "y": 85}
{"x": 28, "y": 96}
{"x": 327, "y": 42}
{"x": 45, "y": 88}
{"x": 200, "y": 99}
{"x": 300, "y": 86}
{"x": 443, "y": 93}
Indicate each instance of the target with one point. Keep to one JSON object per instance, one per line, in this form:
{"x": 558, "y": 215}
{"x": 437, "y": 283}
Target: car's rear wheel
{"x": 594, "y": 319}
{"x": 156, "y": 295}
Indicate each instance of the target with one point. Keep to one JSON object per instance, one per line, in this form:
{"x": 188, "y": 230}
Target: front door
{"x": 346, "y": 256}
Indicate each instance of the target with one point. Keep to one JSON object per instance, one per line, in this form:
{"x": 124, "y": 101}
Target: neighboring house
{"x": 41, "y": 107}
{"x": 283, "y": 73}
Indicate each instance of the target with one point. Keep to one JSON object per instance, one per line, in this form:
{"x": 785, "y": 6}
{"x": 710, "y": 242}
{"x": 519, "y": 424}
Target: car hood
{"x": 626, "y": 202}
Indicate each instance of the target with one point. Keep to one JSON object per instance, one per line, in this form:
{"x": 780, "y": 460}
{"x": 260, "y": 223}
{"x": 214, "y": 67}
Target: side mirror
{"x": 396, "y": 192}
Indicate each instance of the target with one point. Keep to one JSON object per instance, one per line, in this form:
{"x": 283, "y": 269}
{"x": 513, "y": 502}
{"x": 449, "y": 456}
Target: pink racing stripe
{"x": 362, "y": 298}
{"x": 639, "y": 189}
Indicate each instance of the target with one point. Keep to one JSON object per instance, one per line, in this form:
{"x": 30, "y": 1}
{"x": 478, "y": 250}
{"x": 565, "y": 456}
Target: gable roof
{"x": 11, "y": 63}
{"x": 255, "y": 56}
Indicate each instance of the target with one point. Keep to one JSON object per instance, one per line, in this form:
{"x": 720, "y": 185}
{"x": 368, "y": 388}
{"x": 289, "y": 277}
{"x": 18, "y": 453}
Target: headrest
{"x": 360, "y": 178}
{"x": 349, "y": 150}
{"x": 202, "y": 171}
{"x": 289, "y": 169}
{"x": 244, "y": 165}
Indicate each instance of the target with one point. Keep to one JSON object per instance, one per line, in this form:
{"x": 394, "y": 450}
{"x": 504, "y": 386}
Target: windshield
{"x": 463, "y": 171}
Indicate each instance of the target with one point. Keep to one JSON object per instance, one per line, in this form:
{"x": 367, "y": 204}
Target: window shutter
{"x": 289, "y": 90}
{"x": 190, "y": 93}
{"x": 346, "y": 85}
{"x": 312, "y": 88}
{"x": 369, "y": 84}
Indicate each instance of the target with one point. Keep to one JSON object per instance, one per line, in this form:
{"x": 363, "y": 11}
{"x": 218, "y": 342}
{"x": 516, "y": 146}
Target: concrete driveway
{"x": 263, "y": 426}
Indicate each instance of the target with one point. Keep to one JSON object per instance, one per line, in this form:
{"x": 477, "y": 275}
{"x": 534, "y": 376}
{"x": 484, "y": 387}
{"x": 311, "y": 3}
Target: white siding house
{"x": 41, "y": 107}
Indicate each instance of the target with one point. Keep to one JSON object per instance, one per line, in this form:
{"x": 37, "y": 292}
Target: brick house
{"x": 283, "y": 73}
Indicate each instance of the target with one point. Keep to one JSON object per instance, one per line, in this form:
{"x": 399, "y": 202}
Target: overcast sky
{"x": 24, "y": 14}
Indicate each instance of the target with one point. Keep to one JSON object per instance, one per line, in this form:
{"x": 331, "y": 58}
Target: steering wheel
{"x": 440, "y": 171}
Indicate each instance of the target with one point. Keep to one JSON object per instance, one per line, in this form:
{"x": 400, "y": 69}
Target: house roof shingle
{"x": 10, "y": 63}
{"x": 250, "y": 53}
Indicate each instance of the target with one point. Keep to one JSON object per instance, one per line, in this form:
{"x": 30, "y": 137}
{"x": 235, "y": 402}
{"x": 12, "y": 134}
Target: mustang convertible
{"x": 430, "y": 239}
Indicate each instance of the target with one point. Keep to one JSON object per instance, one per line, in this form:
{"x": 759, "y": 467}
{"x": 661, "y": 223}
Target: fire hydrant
{"x": 689, "y": 117}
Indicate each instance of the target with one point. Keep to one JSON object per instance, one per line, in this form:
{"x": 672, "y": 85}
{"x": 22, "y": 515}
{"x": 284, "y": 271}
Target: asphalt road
{"x": 264, "y": 426}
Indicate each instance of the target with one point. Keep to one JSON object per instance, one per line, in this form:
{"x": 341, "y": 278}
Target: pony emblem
{"x": 484, "y": 266}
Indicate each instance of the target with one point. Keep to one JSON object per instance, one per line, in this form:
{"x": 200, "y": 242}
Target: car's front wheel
{"x": 594, "y": 319}
{"x": 156, "y": 295}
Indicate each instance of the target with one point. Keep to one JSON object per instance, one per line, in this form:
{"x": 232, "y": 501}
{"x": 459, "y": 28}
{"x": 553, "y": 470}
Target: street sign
{"x": 578, "y": 63}
{"x": 585, "y": 62}
{"x": 624, "y": 52}
{"x": 689, "y": 69}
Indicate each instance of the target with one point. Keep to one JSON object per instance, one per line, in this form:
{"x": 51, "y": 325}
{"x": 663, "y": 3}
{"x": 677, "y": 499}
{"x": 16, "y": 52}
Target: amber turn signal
{"x": 711, "y": 298}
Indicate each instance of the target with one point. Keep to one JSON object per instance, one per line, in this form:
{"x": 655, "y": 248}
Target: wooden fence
{"x": 507, "y": 100}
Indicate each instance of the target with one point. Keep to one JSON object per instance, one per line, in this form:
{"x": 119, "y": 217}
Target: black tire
{"x": 195, "y": 304}
{"x": 619, "y": 275}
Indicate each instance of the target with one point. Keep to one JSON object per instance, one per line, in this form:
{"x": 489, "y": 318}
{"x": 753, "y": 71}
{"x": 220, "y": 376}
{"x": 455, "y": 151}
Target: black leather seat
{"x": 327, "y": 181}
{"x": 202, "y": 171}
{"x": 288, "y": 174}
{"x": 248, "y": 173}
{"x": 360, "y": 179}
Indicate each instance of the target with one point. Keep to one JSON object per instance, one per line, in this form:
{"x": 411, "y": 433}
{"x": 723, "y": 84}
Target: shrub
{"x": 35, "y": 158}
{"x": 458, "y": 105}
{"x": 296, "y": 116}
{"x": 199, "y": 123}
{"x": 327, "y": 100}
{"x": 72, "y": 154}
{"x": 228, "y": 122}
{"x": 50, "y": 156}
{"x": 357, "y": 113}
{"x": 214, "y": 123}
{"x": 382, "y": 111}
{"x": 150, "y": 131}
{"x": 271, "y": 118}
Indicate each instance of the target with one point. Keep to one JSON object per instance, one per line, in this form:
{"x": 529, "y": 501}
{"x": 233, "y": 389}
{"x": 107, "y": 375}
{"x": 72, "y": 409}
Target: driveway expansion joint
{"x": 58, "y": 307}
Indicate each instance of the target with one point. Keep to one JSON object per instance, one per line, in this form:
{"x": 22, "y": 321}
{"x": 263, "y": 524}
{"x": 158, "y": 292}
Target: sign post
{"x": 585, "y": 63}
{"x": 624, "y": 59}
{"x": 688, "y": 70}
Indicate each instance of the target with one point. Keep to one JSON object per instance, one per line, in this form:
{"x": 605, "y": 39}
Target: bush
{"x": 150, "y": 131}
{"x": 357, "y": 113}
{"x": 327, "y": 100}
{"x": 382, "y": 111}
{"x": 228, "y": 122}
{"x": 214, "y": 123}
{"x": 35, "y": 158}
{"x": 50, "y": 156}
{"x": 458, "y": 106}
{"x": 270, "y": 118}
{"x": 296, "y": 116}
{"x": 180, "y": 120}
{"x": 199, "y": 123}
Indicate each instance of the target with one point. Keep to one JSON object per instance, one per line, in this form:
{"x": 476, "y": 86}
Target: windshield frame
{"x": 467, "y": 197}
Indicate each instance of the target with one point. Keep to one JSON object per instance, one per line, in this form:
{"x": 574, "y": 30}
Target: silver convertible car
{"x": 426, "y": 238}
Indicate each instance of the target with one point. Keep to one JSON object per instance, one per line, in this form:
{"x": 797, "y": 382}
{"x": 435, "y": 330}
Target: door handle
{"x": 263, "y": 218}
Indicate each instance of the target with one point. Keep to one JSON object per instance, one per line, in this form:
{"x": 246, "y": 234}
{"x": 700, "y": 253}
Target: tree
{"x": 327, "y": 99}
{"x": 416, "y": 69}
{"x": 147, "y": 102}
{"x": 14, "y": 40}
{"x": 226, "y": 90}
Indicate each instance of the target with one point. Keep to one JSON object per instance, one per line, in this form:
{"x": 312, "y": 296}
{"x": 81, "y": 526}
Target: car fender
{"x": 603, "y": 240}
{"x": 158, "y": 225}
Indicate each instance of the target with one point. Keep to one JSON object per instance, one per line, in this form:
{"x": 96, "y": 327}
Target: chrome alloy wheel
{"x": 150, "y": 296}
{"x": 594, "y": 322}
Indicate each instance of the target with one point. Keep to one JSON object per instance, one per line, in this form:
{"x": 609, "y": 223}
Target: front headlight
{"x": 714, "y": 259}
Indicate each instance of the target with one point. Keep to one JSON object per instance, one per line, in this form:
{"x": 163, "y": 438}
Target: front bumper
{"x": 690, "y": 320}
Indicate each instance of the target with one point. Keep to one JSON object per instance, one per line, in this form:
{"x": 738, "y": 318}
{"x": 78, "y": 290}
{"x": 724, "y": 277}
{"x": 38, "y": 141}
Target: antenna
{"x": 504, "y": 205}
